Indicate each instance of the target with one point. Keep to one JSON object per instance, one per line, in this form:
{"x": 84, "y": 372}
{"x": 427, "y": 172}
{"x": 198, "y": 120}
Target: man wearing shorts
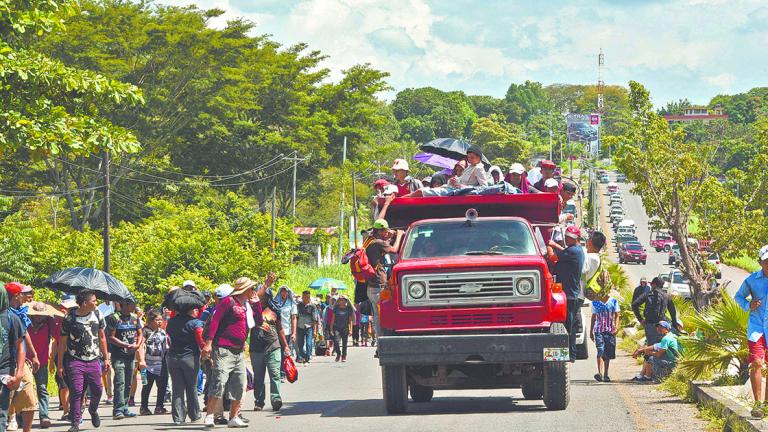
{"x": 751, "y": 297}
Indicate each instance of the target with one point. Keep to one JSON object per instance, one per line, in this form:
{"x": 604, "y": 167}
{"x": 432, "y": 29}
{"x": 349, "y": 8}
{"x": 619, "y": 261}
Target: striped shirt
{"x": 604, "y": 314}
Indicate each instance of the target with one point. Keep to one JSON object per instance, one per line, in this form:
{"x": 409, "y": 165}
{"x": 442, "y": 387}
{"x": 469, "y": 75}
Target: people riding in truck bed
{"x": 517, "y": 177}
{"x": 547, "y": 172}
{"x": 404, "y": 182}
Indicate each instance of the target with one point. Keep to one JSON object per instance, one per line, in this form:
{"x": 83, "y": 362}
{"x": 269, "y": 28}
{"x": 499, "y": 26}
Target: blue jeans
{"x": 305, "y": 342}
{"x": 41, "y": 382}
{"x": 123, "y": 369}
{"x": 262, "y": 364}
{"x": 5, "y": 402}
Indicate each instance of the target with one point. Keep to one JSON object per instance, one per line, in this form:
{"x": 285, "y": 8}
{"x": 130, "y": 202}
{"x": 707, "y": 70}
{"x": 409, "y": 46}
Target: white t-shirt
{"x": 286, "y": 312}
{"x": 534, "y": 175}
{"x": 474, "y": 175}
{"x": 591, "y": 264}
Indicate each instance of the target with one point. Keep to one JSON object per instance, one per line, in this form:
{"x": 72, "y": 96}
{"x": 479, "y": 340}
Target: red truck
{"x": 662, "y": 241}
{"x": 471, "y": 303}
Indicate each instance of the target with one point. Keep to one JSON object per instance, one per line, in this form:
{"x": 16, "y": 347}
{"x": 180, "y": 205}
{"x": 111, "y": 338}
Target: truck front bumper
{"x": 469, "y": 349}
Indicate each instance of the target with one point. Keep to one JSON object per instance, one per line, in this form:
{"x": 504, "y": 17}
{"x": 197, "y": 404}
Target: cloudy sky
{"x": 685, "y": 48}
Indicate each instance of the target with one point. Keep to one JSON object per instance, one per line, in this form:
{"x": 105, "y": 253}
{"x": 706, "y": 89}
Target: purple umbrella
{"x": 435, "y": 160}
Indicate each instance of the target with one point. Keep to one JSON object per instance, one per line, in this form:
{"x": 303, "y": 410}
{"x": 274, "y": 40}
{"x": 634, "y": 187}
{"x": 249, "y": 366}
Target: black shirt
{"x": 181, "y": 329}
{"x": 263, "y": 341}
{"x": 568, "y": 270}
{"x": 126, "y": 330}
{"x": 11, "y": 330}
{"x": 342, "y": 317}
{"x": 307, "y": 313}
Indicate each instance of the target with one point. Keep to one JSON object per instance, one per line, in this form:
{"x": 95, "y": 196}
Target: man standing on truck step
{"x": 570, "y": 263}
{"x": 375, "y": 251}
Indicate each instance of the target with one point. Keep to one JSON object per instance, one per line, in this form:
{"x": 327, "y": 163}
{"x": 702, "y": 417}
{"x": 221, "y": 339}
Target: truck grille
{"x": 474, "y": 288}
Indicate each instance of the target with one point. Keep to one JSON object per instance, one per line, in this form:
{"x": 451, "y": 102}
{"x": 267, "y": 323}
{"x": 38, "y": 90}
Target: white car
{"x": 714, "y": 259}
{"x": 677, "y": 285}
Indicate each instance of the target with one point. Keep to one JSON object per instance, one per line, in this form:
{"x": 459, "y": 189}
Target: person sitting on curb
{"x": 656, "y": 304}
{"x": 662, "y": 356}
{"x": 755, "y": 286}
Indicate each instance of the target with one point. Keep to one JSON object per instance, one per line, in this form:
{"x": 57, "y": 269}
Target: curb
{"x": 737, "y": 417}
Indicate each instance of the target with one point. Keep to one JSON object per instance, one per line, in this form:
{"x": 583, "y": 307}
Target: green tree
{"x": 499, "y": 139}
{"x": 427, "y": 113}
{"x": 525, "y": 100}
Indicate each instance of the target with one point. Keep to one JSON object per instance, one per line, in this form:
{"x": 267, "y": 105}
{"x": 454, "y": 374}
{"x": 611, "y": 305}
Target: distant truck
{"x": 662, "y": 241}
{"x": 471, "y": 303}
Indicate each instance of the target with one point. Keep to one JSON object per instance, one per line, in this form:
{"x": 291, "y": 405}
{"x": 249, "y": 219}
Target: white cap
{"x": 188, "y": 283}
{"x": 551, "y": 183}
{"x": 223, "y": 291}
{"x": 400, "y": 164}
{"x": 390, "y": 189}
{"x": 517, "y": 168}
{"x": 763, "y": 254}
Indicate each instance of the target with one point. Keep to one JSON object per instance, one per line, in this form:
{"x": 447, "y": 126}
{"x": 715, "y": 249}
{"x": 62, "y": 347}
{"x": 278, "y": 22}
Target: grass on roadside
{"x": 743, "y": 262}
{"x": 299, "y": 277}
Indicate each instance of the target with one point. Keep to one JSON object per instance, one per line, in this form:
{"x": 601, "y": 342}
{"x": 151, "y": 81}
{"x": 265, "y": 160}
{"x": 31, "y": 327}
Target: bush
{"x": 298, "y": 277}
{"x": 743, "y": 262}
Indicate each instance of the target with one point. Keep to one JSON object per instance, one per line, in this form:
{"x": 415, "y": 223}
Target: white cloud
{"x": 724, "y": 80}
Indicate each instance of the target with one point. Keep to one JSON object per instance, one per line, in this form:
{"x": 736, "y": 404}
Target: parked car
{"x": 625, "y": 231}
{"x": 616, "y": 199}
{"x": 714, "y": 259}
{"x": 620, "y": 240}
{"x": 621, "y": 178}
{"x": 664, "y": 277}
{"x": 617, "y": 217}
{"x": 604, "y": 178}
{"x": 662, "y": 241}
{"x": 627, "y": 223}
{"x": 632, "y": 252}
{"x": 678, "y": 285}
{"x": 674, "y": 254}
{"x": 613, "y": 187}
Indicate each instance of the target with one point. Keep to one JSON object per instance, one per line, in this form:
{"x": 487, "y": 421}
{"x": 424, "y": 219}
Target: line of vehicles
{"x": 630, "y": 250}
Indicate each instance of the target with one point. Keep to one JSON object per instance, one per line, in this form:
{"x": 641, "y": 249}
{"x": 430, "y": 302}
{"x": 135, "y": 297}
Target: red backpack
{"x": 361, "y": 268}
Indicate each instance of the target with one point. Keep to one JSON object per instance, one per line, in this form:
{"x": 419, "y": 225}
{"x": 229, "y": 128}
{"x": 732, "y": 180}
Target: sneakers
{"x": 118, "y": 415}
{"x": 209, "y": 421}
{"x": 258, "y": 407}
{"x": 95, "y": 419}
{"x": 220, "y": 420}
{"x": 161, "y": 411}
{"x": 277, "y": 404}
{"x": 108, "y": 401}
{"x": 12, "y": 425}
{"x": 338, "y": 357}
{"x": 598, "y": 377}
{"x": 145, "y": 412}
{"x": 129, "y": 414}
{"x": 45, "y": 423}
{"x": 606, "y": 378}
{"x": 245, "y": 420}
{"x": 237, "y": 422}
{"x": 642, "y": 378}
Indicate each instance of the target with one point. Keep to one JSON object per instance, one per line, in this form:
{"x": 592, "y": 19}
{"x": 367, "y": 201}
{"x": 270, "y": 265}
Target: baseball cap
{"x": 188, "y": 283}
{"x": 382, "y": 183}
{"x": 223, "y": 291}
{"x": 664, "y": 324}
{"x": 549, "y": 183}
{"x": 13, "y": 288}
{"x": 547, "y": 164}
{"x": 573, "y": 232}
{"x": 643, "y": 279}
{"x": 68, "y": 301}
{"x": 400, "y": 164}
{"x": 569, "y": 187}
{"x": 517, "y": 168}
{"x": 763, "y": 254}
{"x": 381, "y": 224}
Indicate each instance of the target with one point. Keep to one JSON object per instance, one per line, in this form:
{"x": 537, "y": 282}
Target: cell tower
{"x": 600, "y": 82}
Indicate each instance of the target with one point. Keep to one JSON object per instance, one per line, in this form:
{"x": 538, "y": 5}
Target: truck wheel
{"x": 643, "y": 262}
{"x": 421, "y": 393}
{"x": 557, "y": 386}
{"x": 658, "y": 249}
{"x": 533, "y": 390}
{"x": 666, "y": 248}
{"x": 395, "y": 388}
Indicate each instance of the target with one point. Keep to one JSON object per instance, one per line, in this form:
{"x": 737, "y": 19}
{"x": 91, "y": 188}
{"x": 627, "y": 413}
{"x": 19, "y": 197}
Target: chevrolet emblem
{"x": 472, "y": 287}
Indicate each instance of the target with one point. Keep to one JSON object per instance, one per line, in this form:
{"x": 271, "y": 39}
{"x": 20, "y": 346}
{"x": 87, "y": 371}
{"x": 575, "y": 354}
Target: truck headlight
{"x": 417, "y": 290}
{"x": 524, "y": 286}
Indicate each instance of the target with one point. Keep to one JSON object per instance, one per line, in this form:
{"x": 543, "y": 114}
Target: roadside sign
{"x": 594, "y": 119}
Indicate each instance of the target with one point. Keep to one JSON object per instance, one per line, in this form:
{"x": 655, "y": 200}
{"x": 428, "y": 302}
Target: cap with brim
{"x": 13, "y": 288}
{"x": 68, "y": 301}
{"x": 400, "y": 164}
{"x": 548, "y": 164}
{"x": 643, "y": 279}
{"x": 427, "y": 179}
{"x": 573, "y": 232}
{"x": 390, "y": 189}
{"x": 188, "y": 283}
{"x": 664, "y": 324}
{"x": 381, "y": 224}
{"x": 550, "y": 183}
{"x": 381, "y": 183}
{"x": 516, "y": 168}
{"x": 242, "y": 285}
{"x": 42, "y": 309}
{"x": 763, "y": 254}
{"x": 223, "y": 291}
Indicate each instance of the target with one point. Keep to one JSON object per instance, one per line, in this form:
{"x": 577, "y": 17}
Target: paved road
{"x": 657, "y": 261}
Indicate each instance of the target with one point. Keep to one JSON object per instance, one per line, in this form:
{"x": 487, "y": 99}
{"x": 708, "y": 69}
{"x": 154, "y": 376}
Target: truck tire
{"x": 421, "y": 393}
{"x": 533, "y": 390}
{"x": 557, "y": 386}
{"x": 395, "y": 388}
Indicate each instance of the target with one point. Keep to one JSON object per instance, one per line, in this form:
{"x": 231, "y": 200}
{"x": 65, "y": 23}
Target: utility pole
{"x": 341, "y": 213}
{"x": 107, "y": 215}
{"x": 295, "y": 160}
{"x": 274, "y": 214}
{"x": 550, "y": 137}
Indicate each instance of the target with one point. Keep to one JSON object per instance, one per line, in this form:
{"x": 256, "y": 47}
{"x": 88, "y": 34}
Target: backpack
{"x": 359, "y": 265}
{"x": 599, "y": 284}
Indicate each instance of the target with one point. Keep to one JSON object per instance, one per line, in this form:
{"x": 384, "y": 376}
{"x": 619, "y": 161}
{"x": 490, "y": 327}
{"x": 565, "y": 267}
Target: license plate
{"x": 556, "y": 354}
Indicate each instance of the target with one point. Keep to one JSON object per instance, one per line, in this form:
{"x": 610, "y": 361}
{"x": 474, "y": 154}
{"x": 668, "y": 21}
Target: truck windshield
{"x": 489, "y": 237}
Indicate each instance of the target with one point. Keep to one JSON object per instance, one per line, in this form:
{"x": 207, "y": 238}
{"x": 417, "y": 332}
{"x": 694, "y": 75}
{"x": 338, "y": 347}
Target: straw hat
{"x": 42, "y": 309}
{"x": 242, "y": 285}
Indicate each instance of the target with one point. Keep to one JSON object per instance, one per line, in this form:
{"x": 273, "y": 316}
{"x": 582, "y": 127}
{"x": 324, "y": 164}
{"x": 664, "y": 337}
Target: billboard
{"x": 584, "y": 128}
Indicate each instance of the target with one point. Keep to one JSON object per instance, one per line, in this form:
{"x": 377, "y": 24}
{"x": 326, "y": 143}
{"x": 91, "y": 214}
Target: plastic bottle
{"x": 144, "y": 377}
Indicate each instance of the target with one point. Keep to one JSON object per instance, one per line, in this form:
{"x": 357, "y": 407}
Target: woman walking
{"x": 341, "y": 322}
{"x": 83, "y": 344}
{"x": 265, "y": 349}
{"x": 183, "y": 359}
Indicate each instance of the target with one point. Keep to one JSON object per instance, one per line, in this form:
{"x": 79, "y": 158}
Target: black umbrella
{"x": 182, "y": 300}
{"x": 451, "y": 148}
{"x": 74, "y": 280}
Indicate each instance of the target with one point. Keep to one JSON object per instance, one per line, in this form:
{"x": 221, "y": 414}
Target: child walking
{"x": 605, "y": 323}
{"x": 152, "y": 362}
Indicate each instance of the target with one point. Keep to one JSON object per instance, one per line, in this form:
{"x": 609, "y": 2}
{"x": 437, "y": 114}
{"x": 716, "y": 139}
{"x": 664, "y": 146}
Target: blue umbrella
{"x": 327, "y": 284}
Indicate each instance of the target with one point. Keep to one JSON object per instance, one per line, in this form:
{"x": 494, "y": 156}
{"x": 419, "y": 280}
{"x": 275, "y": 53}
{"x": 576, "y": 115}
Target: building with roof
{"x": 698, "y": 113}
